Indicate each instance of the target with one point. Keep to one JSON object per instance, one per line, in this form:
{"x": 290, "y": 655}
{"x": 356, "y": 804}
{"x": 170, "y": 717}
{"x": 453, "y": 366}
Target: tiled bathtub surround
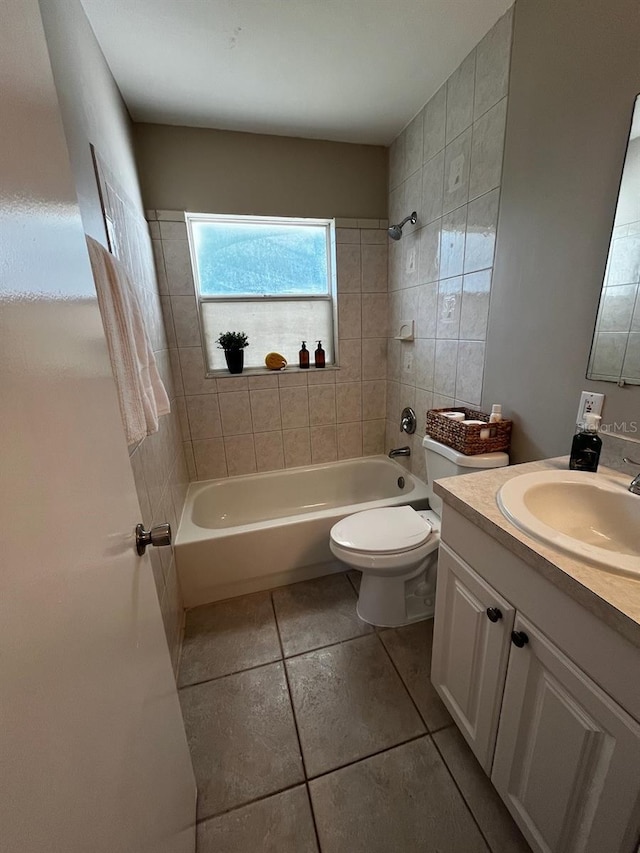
{"x": 240, "y": 425}
{"x": 446, "y": 165}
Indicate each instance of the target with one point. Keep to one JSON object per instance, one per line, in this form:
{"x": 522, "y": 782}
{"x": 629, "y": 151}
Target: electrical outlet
{"x": 589, "y": 403}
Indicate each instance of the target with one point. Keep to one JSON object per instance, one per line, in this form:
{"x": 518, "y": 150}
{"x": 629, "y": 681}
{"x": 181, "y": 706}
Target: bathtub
{"x": 258, "y": 531}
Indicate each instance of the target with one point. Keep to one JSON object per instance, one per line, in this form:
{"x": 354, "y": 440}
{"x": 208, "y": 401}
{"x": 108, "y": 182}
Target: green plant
{"x": 231, "y": 341}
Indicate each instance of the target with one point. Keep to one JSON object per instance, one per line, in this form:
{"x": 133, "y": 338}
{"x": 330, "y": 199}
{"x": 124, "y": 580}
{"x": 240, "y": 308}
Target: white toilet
{"x": 396, "y": 548}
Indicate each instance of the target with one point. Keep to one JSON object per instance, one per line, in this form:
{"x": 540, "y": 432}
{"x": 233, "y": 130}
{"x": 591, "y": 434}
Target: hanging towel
{"x": 141, "y": 393}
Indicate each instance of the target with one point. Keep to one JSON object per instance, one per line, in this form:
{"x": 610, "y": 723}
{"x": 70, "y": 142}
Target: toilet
{"x": 396, "y": 548}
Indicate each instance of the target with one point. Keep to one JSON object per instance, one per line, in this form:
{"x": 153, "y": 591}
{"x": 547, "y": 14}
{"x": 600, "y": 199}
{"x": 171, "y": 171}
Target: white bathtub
{"x": 258, "y": 531}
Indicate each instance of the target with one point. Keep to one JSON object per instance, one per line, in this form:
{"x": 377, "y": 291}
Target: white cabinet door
{"x": 470, "y": 651}
{"x": 567, "y": 759}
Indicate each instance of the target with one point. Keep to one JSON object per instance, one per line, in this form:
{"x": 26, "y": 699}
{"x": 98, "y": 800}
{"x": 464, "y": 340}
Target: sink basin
{"x": 590, "y": 516}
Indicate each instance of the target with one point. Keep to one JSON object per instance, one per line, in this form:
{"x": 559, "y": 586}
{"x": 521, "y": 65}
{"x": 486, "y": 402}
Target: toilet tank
{"x": 443, "y": 461}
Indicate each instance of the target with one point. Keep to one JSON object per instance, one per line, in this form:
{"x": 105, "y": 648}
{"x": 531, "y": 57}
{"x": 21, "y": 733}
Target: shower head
{"x": 395, "y": 231}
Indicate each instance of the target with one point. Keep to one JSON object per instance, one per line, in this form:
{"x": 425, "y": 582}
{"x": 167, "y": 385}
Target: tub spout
{"x": 399, "y": 451}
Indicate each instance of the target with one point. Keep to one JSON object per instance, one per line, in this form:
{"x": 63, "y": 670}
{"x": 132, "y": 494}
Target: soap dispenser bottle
{"x": 319, "y": 355}
{"x": 586, "y": 445}
{"x": 303, "y": 357}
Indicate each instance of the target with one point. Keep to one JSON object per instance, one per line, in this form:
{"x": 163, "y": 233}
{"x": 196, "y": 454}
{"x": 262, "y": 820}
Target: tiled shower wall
{"x": 161, "y": 477}
{"x": 447, "y": 166}
{"x": 266, "y": 421}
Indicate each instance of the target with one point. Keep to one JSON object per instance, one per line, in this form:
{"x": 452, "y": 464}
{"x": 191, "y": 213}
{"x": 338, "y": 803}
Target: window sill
{"x": 264, "y": 371}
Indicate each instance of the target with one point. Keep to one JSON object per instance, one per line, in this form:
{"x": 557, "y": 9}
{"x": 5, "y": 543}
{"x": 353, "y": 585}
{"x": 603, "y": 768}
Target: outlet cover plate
{"x": 589, "y": 403}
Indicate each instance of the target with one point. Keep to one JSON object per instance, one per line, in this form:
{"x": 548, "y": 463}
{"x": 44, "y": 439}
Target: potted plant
{"x": 233, "y": 344}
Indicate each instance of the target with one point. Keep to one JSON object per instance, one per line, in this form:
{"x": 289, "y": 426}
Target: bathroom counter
{"x": 613, "y": 598}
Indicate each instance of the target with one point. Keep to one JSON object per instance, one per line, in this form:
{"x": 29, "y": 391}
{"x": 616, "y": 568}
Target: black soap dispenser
{"x": 586, "y": 445}
{"x": 303, "y": 357}
{"x": 319, "y": 355}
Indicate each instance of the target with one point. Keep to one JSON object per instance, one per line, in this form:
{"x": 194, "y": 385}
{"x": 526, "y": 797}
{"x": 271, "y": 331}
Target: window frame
{"x": 332, "y": 285}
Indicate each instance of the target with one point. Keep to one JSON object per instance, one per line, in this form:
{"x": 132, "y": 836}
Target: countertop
{"x": 612, "y": 597}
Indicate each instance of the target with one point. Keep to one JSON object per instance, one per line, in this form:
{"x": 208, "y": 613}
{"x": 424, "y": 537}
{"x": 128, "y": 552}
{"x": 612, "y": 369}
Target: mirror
{"x": 615, "y": 351}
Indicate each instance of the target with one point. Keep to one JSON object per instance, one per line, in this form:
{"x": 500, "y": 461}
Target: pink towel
{"x": 141, "y": 393}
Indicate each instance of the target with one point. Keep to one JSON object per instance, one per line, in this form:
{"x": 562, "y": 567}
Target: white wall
{"x": 574, "y": 78}
{"x": 93, "y": 112}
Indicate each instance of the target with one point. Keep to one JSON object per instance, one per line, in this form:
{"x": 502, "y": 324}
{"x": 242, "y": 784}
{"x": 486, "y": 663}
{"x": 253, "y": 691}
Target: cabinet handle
{"x": 519, "y": 638}
{"x": 494, "y": 614}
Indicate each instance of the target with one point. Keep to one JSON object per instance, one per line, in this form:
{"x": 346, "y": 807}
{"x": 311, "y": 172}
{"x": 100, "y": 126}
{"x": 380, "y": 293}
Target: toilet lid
{"x": 382, "y": 531}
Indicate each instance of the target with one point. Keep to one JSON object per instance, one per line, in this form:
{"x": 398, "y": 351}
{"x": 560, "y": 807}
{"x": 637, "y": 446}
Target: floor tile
{"x": 317, "y": 613}
{"x": 402, "y": 800}
{"x": 279, "y": 824}
{"x": 242, "y": 738}
{"x": 349, "y": 703}
{"x": 410, "y": 650}
{"x": 228, "y": 636}
{"x": 486, "y": 806}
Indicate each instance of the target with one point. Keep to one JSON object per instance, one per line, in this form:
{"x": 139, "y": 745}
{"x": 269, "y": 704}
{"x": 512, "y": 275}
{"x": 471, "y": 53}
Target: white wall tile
{"x": 349, "y": 440}
{"x": 177, "y": 264}
{"x": 322, "y": 404}
{"x": 241, "y": 455}
{"x": 460, "y": 92}
{"x": 449, "y": 308}
{"x": 469, "y": 371}
{"x": 294, "y": 407}
{"x": 348, "y": 267}
{"x": 193, "y": 373}
{"x": 269, "y": 451}
{"x": 349, "y": 315}
{"x": 173, "y": 230}
{"x": 349, "y": 402}
{"x": 452, "y": 242}
{"x": 185, "y": 321}
{"x": 434, "y": 124}
{"x": 204, "y": 416}
{"x": 457, "y": 164}
{"x": 396, "y": 162}
{"x": 374, "y": 358}
{"x": 427, "y": 313}
{"x": 486, "y": 150}
{"x": 324, "y": 447}
{"x": 350, "y": 361}
{"x": 476, "y": 288}
{"x": 432, "y": 188}
{"x": 235, "y": 412}
{"x": 297, "y": 447}
{"x": 210, "y": 460}
{"x": 265, "y": 410}
{"x": 374, "y": 400}
{"x": 374, "y": 315}
{"x": 482, "y": 224}
{"x": 347, "y": 235}
{"x": 429, "y": 260}
{"x": 261, "y": 383}
{"x": 374, "y": 268}
{"x": 444, "y": 380}
{"x": 373, "y": 437}
{"x": 492, "y": 65}
{"x": 425, "y": 354}
{"x": 413, "y": 145}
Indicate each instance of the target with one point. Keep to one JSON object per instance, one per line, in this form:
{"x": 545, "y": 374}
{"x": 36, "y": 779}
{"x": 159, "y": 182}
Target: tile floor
{"x": 311, "y": 731}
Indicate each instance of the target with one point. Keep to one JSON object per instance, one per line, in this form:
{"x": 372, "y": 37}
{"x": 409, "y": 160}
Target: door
{"x": 92, "y": 747}
{"x": 470, "y": 650}
{"x": 567, "y": 756}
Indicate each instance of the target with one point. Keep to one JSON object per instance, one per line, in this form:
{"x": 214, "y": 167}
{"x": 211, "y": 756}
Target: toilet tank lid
{"x": 480, "y": 460}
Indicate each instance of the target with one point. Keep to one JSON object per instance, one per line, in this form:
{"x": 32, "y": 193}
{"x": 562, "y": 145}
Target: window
{"x": 272, "y": 278}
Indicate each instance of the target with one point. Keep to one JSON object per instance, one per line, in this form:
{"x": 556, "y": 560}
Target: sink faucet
{"x": 406, "y": 451}
{"x": 634, "y": 488}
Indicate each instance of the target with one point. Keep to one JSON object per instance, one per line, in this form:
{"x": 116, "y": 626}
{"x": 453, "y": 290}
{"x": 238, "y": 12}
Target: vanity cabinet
{"x": 562, "y": 754}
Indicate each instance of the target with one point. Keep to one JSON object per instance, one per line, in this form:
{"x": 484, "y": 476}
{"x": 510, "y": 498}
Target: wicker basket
{"x": 465, "y": 438}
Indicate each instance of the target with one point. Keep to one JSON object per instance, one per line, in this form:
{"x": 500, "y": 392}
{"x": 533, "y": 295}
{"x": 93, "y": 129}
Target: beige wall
{"x": 574, "y": 78}
{"x": 263, "y": 421}
{"x": 93, "y": 112}
{"x": 446, "y": 165}
{"x": 219, "y": 171}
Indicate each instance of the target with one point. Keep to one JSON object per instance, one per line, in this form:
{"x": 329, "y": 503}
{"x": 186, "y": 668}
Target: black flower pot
{"x": 235, "y": 360}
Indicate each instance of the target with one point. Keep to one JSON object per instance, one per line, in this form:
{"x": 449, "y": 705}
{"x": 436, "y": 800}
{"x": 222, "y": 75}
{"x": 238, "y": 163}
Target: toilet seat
{"x": 389, "y": 530}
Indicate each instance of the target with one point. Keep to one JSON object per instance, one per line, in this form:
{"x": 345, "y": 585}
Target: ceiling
{"x": 346, "y": 70}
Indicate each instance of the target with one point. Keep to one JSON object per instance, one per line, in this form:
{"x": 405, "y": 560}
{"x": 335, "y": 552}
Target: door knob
{"x": 494, "y": 614}
{"x": 157, "y": 536}
{"x": 519, "y": 638}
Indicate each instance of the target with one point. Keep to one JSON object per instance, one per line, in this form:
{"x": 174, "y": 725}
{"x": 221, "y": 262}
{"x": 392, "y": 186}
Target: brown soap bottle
{"x": 319, "y": 355}
{"x": 303, "y": 356}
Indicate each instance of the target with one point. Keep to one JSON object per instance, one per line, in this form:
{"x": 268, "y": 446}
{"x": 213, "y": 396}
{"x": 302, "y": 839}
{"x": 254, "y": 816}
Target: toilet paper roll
{"x": 455, "y": 416}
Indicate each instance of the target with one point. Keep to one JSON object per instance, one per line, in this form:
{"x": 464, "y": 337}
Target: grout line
{"x": 200, "y": 820}
{"x": 369, "y": 755}
{"x": 295, "y": 720}
{"x": 227, "y": 674}
{"x": 404, "y": 684}
{"x": 459, "y": 789}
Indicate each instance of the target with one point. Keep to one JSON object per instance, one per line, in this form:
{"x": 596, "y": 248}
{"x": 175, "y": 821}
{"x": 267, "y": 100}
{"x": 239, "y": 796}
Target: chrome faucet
{"x": 634, "y": 488}
{"x": 404, "y": 451}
